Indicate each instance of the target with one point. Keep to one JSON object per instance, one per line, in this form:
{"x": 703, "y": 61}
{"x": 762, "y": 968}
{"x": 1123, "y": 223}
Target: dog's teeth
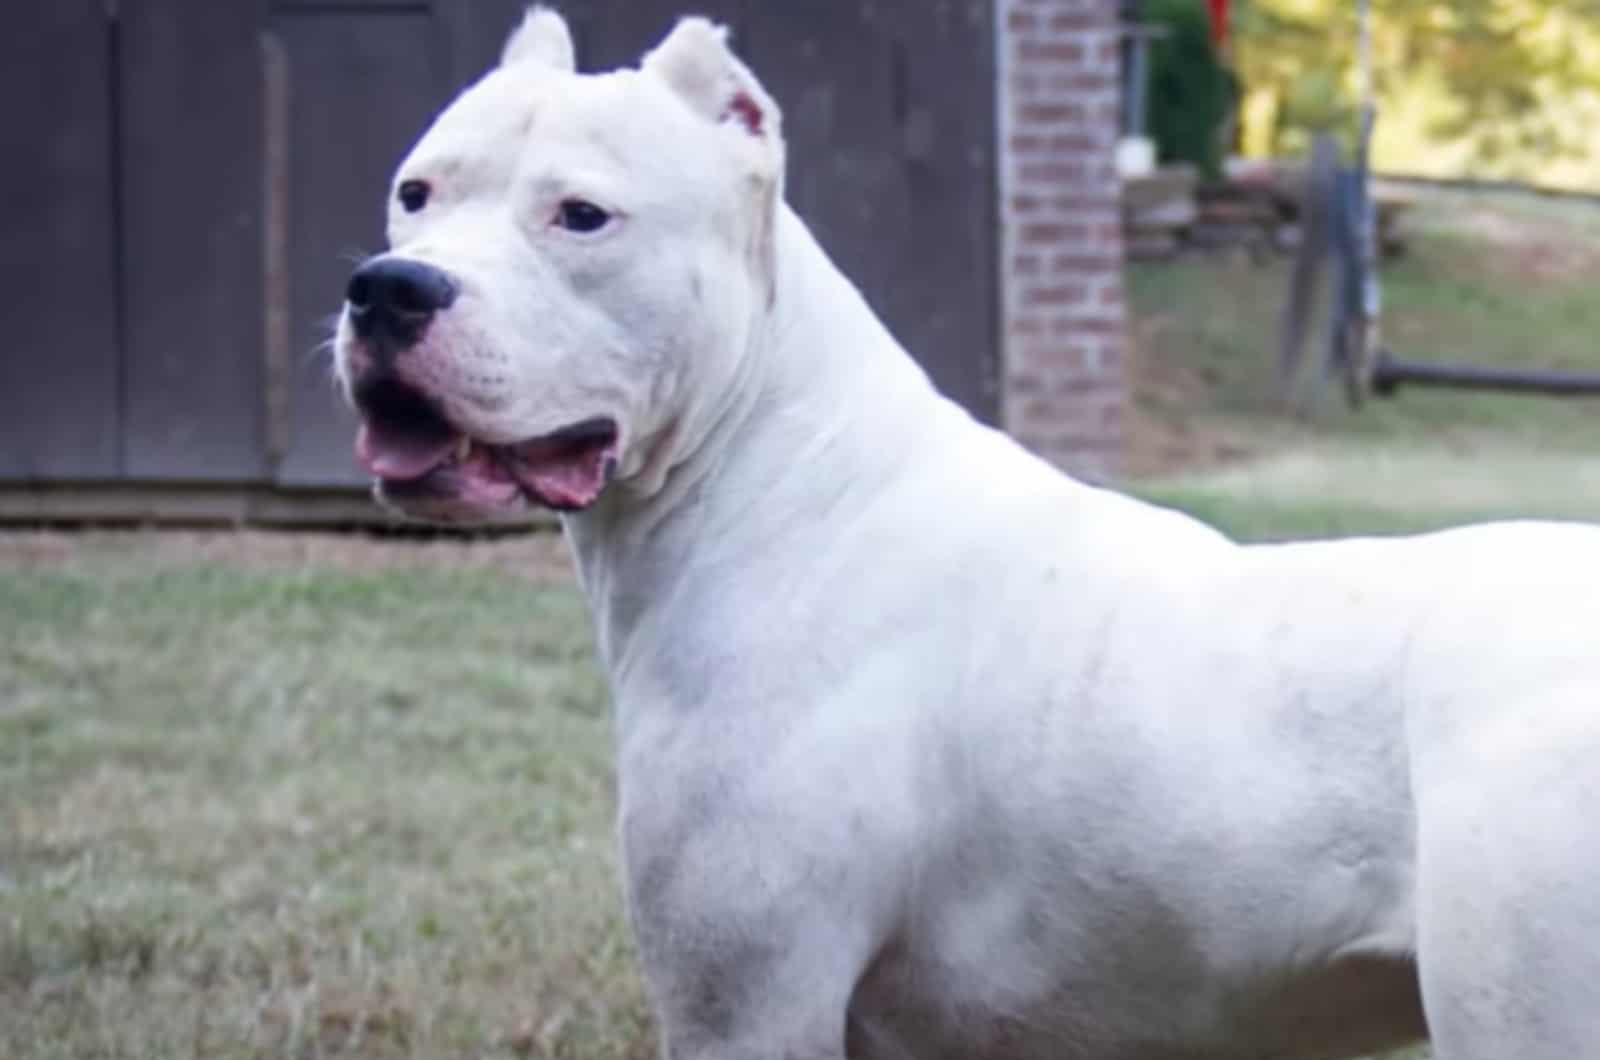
{"x": 463, "y": 448}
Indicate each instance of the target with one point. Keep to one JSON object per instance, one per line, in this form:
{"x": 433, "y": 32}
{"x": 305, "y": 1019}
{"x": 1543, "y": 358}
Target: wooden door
{"x": 189, "y": 170}
{"x": 889, "y": 110}
{"x": 192, "y": 182}
{"x": 60, "y": 391}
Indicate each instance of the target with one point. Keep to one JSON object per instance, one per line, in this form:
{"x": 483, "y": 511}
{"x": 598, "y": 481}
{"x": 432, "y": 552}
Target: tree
{"x": 1495, "y": 87}
{"x": 1190, "y": 92}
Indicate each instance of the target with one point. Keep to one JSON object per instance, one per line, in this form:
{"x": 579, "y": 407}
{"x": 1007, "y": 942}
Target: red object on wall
{"x": 1219, "y": 21}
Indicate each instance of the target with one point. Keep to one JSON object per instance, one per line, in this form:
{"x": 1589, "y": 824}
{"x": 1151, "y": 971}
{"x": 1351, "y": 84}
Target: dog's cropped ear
{"x": 542, "y": 38}
{"x": 696, "y": 63}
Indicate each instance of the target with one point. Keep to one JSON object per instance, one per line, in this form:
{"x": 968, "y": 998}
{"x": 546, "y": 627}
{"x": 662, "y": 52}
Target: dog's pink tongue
{"x": 398, "y": 457}
{"x": 565, "y": 482}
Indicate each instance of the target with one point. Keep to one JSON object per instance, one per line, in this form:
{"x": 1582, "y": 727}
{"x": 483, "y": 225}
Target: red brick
{"x": 1108, "y": 233}
{"x": 1081, "y": 83}
{"x": 1064, "y": 324}
{"x": 1051, "y": 173}
{"x": 1049, "y": 234}
{"x": 1056, "y": 295}
{"x": 1090, "y": 322}
{"x": 1055, "y": 112}
{"x": 1074, "y": 22}
{"x": 1078, "y": 201}
{"x": 1083, "y": 144}
{"x": 1067, "y": 53}
{"x": 1027, "y": 143}
{"x": 1080, "y": 261}
{"x": 1057, "y": 357}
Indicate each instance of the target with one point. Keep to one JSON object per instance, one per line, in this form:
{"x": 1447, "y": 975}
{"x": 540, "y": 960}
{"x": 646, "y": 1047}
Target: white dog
{"x": 927, "y": 750}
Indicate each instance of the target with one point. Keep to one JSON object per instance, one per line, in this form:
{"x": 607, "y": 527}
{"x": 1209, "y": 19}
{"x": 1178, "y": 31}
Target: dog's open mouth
{"x": 419, "y": 456}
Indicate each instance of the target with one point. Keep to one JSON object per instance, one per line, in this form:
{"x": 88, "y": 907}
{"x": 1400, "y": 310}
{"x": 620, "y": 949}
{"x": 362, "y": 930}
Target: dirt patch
{"x": 539, "y": 556}
{"x": 1171, "y": 425}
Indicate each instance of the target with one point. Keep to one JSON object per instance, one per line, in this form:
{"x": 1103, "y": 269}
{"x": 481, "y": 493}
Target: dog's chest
{"x": 931, "y": 1011}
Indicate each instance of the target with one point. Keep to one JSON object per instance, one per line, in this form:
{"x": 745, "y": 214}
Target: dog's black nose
{"x": 392, "y": 299}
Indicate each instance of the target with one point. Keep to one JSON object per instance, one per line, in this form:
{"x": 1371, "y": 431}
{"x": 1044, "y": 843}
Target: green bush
{"x": 1191, "y": 93}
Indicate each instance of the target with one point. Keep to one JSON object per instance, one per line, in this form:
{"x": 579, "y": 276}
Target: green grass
{"x": 303, "y": 811}
{"x": 1490, "y": 279}
{"x": 1504, "y": 281}
{"x": 1340, "y": 488}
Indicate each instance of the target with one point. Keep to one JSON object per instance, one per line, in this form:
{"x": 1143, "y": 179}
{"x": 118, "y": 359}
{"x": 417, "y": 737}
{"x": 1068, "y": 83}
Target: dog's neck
{"x": 826, "y": 412}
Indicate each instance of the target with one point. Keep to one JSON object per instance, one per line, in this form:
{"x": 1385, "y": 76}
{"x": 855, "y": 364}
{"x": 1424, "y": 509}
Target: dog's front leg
{"x": 752, "y": 941}
{"x": 769, "y": 1017}
{"x": 743, "y": 971}
{"x": 734, "y": 983}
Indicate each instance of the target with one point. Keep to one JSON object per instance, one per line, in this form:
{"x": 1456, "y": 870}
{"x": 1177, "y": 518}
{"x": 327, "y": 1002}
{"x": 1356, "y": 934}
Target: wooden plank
{"x": 212, "y": 504}
{"x": 191, "y": 170}
{"x": 58, "y": 374}
{"x": 362, "y": 86}
{"x": 889, "y": 111}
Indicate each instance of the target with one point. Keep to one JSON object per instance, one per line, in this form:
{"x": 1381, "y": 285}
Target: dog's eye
{"x": 575, "y": 215}
{"x": 414, "y": 194}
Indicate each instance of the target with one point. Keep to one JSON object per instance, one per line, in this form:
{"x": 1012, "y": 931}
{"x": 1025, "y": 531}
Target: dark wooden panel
{"x": 361, "y": 88}
{"x": 477, "y": 34}
{"x": 191, "y": 171}
{"x": 889, "y": 111}
{"x": 58, "y": 370}
{"x": 613, "y": 33}
{"x": 363, "y": 7}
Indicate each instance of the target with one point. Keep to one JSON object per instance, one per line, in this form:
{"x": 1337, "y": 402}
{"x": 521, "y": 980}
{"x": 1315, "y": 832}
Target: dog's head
{"x": 576, "y": 264}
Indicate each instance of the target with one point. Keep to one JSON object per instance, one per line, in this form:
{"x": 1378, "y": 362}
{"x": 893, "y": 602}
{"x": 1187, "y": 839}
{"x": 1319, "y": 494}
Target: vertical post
{"x": 116, "y": 79}
{"x": 1138, "y": 82}
{"x": 1371, "y": 294}
{"x": 276, "y": 317}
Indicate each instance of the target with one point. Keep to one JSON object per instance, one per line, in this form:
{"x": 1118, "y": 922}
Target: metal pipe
{"x": 1391, "y": 372}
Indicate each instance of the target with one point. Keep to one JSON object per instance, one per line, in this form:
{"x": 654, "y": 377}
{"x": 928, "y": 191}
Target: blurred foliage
{"x": 1191, "y": 92}
{"x": 1493, "y": 88}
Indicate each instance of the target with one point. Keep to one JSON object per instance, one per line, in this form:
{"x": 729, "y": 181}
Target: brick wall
{"x": 1063, "y": 315}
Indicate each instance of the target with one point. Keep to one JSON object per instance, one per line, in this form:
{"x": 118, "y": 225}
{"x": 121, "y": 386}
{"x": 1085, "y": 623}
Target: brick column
{"x": 1063, "y": 315}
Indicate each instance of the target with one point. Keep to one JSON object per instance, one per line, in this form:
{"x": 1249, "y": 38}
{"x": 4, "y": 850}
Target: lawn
{"x": 273, "y": 797}
{"x": 1500, "y": 279}
{"x": 267, "y": 795}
